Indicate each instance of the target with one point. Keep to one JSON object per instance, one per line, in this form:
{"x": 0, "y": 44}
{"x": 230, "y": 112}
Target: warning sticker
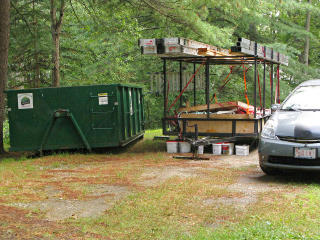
{"x": 25, "y": 101}
{"x": 103, "y": 98}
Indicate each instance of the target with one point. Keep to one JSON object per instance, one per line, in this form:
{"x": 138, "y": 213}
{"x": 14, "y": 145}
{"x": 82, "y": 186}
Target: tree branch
{"x": 75, "y": 14}
{"x": 62, "y": 6}
{"x": 53, "y": 15}
{"x": 23, "y": 18}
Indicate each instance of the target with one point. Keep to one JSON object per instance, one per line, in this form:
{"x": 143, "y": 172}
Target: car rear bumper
{"x": 278, "y": 154}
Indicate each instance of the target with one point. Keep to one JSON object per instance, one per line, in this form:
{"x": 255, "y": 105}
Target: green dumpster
{"x": 75, "y": 117}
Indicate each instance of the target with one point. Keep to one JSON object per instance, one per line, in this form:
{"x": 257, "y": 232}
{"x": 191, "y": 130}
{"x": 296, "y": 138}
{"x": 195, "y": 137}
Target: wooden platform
{"x": 223, "y": 123}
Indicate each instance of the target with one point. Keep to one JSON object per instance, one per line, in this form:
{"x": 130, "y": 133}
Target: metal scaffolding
{"x": 207, "y": 61}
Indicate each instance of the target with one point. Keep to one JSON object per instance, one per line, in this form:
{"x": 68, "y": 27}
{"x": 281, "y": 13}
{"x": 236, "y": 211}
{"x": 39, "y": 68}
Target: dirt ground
{"x": 94, "y": 190}
{"x": 102, "y": 197}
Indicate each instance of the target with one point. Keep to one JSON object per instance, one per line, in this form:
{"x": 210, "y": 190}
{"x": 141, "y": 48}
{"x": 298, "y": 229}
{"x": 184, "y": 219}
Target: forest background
{"x": 81, "y": 42}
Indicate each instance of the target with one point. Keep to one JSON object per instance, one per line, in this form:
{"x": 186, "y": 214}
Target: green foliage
{"x": 30, "y": 43}
{"x": 99, "y": 41}
{"x": 6, "y": 139}
{"x": 153, "y": 111}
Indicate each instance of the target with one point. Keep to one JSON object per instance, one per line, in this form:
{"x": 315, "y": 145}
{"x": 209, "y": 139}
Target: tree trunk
{"x": 36, "y": 79}
{"x": 56, "y": 61}
{"x": 253, "y": 34}
{"x": 4, "y": 46}
{"x": 305, "y": 55}
{"x": 55, "y": 32}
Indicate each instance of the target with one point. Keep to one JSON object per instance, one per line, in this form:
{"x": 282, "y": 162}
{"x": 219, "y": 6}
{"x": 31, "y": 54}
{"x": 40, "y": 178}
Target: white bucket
{"x": 185, "y": 147}
{"x": 242, "y": 150}
{"x": 227, "y": 148}
{"x": 200, "y": 149}
{"x": 172, "y": 146}
{"x": 216, "y": 148}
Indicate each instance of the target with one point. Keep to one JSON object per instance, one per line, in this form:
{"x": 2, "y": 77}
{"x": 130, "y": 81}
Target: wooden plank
{"x": 210, "y": 52}
{"x": 210, "y": 127}
{"x": 218, "y": 116}
{"x": 223, "y": 126}
{"x": 216, "y": 107}
{"x": 213, "y": 106}
{"x": 236, "y": 54}
{"x": 242, "y": 127}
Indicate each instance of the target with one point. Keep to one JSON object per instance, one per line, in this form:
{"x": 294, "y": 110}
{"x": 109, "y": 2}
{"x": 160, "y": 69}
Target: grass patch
{"x": 178, "y": 207}
{"x": 151, "y": 133}
{"x": 256, "y": 229}
{"x": 149, "y": 144}
{"x": 165, "y": 212}
{"x": 290, "y": 214}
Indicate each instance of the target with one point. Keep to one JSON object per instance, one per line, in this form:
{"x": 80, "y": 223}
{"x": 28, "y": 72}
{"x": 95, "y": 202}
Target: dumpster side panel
{"x": 124, "y": 113}
{"x": 74, "y": 117}
{"x": 26, "y": 124}
{"x": 63, "y": 133}
{"x": 135, "y": 110}
{"x": 141, "y": 107}
{"x": 131, "y": 109}
{"x": 104, "y": 116}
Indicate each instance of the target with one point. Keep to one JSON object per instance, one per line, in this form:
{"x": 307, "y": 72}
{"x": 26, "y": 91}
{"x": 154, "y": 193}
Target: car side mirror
{"x": 275, "y": 107}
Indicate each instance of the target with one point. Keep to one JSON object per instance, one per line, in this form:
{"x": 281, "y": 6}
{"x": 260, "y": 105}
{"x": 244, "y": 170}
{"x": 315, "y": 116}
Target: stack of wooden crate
{"x": 245, "y": 46}
{"x": 179, "y": 47}
{"x": 172, "y": 47}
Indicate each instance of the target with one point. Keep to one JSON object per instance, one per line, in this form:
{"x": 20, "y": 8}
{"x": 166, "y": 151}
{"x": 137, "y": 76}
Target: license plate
{"x": 308, "y": 153}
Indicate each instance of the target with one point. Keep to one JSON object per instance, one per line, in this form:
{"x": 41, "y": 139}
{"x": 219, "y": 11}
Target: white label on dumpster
{"x": 25, "y": 100}
{"x": 103, "y": 98}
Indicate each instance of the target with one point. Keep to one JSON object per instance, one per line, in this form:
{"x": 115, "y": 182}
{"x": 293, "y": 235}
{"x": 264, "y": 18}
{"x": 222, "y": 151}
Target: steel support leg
{"x": 180, "y": 81}
{"x": 264, "y": 88}
{"x": 271, "y": 80}
{"x": 255, "y": 81}
{"x": 194, "y": 86}
{"x": 164, "y": 124}
{"x": 207, "y": 88}
{"x": 164, "y": 88}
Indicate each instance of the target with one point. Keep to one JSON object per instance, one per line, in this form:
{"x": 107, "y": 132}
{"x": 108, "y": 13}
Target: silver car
{"x": 290, "y": 140}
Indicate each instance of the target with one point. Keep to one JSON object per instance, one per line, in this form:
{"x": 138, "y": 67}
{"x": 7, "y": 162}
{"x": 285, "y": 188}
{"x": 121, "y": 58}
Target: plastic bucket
{"x": 200, "y": 149}
{"x": 216, "y": 148}
{"x": 242, "y": 150}
{"x": 185, "y": 147}
{"x": 227, "y": 148}
{"x": 172, "y": 146}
